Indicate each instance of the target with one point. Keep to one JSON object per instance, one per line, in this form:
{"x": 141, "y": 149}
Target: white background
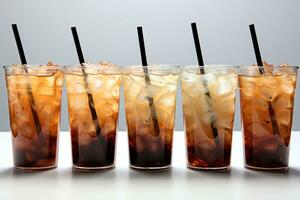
{"x": 124, "y": 183}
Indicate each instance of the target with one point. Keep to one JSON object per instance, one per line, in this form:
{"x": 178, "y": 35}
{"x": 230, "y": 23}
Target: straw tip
{"x": 193, "y": 23}
{"x": 14, "y": 26}
{"x": 251, "y": 25}
{"x": 73, "y": 27}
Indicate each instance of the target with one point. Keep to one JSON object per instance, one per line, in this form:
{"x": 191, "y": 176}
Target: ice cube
{"x": 287, "y": 88}
{"x": 209, "y": 78}
{"x": 197, "y": 90}
{"x": 269, "y": 80}
{"x": 171, "y": 87}
{"x": 157, "y": 80}
{"x": 140, "y": 145}
{"x": 284, "y": 117}
{"x": 169, "y": 137}
{"x": 224, "y": 122}
{"x": 268, "y": 92}
{"x": 167, "y": 100}
{"x": 15, "y": 129}
{"x": 109, "y": 82}
{"x": 199, "y": 162}
{"x": 94, "y": 83}
{"x": 104, "y": 94}
{"x": 205, "y": 144}
{"x": 27, "y": 128}
{"x": 45, "y": 90}
{"x": 283, "y": 100}
{"x": 86, "y": 126}
{"x": 188, "y": 78}
{"x": 148, "y": 92}
{"x": 59, "y": 79}
{"x": 78, "y": 101}
{"x": 165, "y": 115}
{"x": 133, "y": 91}
{"x": 224, "y": 88}
{"x": 114, "y": 106}
{"x": 209, "y": 117}
{"x": 115, "y": 92}
{"x": 109, "y": 126}
{"x": 99, "y": 102}
{"x": 77, "y": 87}
{"x": 13, "y": 97}
{"x": 106, "y": 110}
{"x": 226, "y": 84}
{"x": 226, "y": 106}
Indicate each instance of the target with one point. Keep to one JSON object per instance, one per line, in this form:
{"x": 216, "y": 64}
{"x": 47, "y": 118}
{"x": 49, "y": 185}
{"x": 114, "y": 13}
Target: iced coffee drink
{"x": 208, "y": 106}
{"x": 34, "y": 99}
{"x": 267, "y": 103}
{"x": 93, "y": 92}
{"x": 150, "y": 109}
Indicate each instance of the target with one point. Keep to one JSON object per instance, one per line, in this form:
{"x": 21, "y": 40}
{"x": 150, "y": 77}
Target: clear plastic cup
{"x": 150, "y": 109}
{"x": 34, "y": 99}
{"x": 93, "y": 92}
{"x": 209, "y": 107}
{"x": 267, "y": 103}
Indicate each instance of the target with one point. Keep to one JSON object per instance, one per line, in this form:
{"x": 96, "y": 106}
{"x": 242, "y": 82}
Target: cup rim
{"x": 217, "y": 66}
{"x": 271, "y": 66}
{"x": 152, "y": 69}
{"x": 100, "y": 68}
{"x": 32, "y": 66}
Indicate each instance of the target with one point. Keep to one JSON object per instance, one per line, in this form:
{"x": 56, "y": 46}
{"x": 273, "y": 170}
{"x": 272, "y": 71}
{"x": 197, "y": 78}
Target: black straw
{"x": 202, "y": 71}
{"x": 77, "y": 45}
{"x": 262, "y": 71}
{"x": 19, "y": 44}
{"x": 90, "y": 97}
{"x": 29, "y": 90}
{"x": 142, "y": 46}
{"x": 147, "y": 79}
{"x": 256, "y": 49}
{"x": 197, "y": 46}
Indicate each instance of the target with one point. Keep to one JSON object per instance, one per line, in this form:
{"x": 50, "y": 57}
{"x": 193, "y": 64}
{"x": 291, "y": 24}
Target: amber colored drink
{"x": 149, "y": 148}
{"x": 93, "y": 88}
{"x": 267, "y": 102}
{"x": 34, "y": 99}
{"x": 209, "y": 106}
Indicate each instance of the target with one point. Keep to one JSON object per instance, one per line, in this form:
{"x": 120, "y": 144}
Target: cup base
{"x": 283, "y": 169}
{"x": 151, "y": 168}
{"x": 225, "y": 168}
{"x": 94, "y": 168}
{"x": 35, "y": 168}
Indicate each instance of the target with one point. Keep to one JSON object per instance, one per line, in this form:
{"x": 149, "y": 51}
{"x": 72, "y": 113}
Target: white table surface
{"x": 124, "y": 183}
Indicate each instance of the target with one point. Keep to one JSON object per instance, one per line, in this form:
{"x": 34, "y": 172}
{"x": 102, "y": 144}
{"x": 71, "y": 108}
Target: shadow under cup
{"x": 267, "y": 103}
{"x": 93, "y": 102}
{"x": 34, "y": 99}
{"x": 150, "y": 109}
{"x": 208, "y": 107}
